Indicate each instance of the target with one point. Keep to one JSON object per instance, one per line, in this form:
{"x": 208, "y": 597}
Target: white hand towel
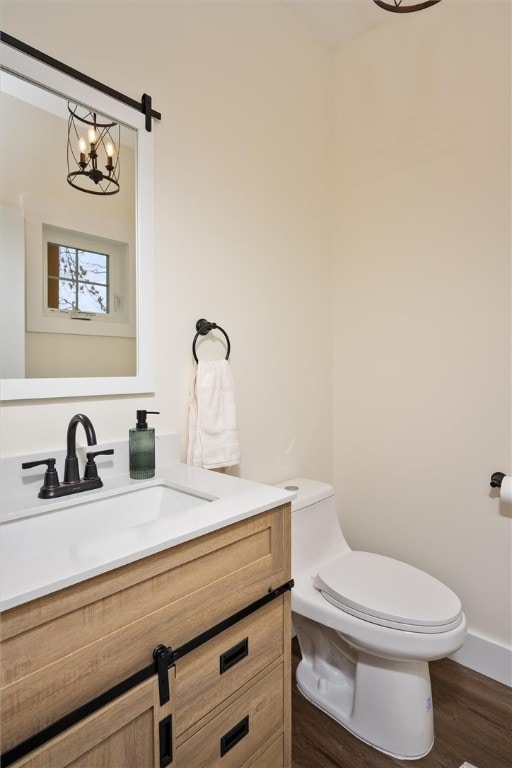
{"x": 213, "y": 439}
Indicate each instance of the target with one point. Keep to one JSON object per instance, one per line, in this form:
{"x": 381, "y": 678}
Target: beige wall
{"x": 422, "y": 299}
{"x": 242, "y": 215}
{"x": 420, "y": 275}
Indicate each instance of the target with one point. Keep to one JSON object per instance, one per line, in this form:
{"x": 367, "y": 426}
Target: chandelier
{"x": 404, "y": 6}
{"x": 93, "y": 152}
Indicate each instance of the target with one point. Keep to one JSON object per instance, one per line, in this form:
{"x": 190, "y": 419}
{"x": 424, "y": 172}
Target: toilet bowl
{"x": 367, "y": 626}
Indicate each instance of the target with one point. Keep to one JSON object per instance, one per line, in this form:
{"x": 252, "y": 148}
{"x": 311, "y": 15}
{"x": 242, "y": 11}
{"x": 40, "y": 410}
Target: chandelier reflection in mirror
{"x": 404, "y": 6}
{"x": 93, "y": 152}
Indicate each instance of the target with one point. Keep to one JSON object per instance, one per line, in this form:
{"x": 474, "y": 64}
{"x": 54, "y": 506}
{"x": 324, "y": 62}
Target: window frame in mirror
{"x": 24, "y": 66}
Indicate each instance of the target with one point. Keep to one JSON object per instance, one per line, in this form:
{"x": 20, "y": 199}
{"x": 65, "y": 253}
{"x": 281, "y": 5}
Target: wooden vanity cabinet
{"x": 230, "y": 696}
{"x": 123, "y": 734}
{"x": 227, "y": 715}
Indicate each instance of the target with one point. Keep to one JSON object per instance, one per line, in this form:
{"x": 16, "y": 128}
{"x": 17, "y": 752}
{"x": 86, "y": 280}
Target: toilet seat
{"x": 385, "y": 591}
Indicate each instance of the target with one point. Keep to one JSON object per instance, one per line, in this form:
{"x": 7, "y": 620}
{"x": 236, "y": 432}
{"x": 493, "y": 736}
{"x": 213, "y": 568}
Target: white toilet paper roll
{"x": 506, "y": 490}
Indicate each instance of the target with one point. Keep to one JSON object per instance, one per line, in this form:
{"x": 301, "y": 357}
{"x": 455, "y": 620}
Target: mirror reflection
{"x": 67, "y": 257}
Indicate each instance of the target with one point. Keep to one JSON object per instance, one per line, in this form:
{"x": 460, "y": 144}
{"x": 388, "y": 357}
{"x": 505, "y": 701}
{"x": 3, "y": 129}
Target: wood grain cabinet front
{"x": 133, "y": 731}
{"x": 240, "y": 728}
{"x": 211, "y": 673}
{"x": 61, "y": 651}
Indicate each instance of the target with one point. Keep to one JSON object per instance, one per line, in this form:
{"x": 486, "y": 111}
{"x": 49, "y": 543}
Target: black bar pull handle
{"x": 232, "y": 737}
{"x": 165, "y": 737}
{"x": 235, "y": 654}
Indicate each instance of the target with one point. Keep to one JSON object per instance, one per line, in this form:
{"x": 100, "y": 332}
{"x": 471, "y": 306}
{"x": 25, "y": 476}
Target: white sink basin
{"x": 82, "y": 535}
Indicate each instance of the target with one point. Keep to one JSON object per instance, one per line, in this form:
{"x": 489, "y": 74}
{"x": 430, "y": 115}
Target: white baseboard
{"x": 486, "y": 657}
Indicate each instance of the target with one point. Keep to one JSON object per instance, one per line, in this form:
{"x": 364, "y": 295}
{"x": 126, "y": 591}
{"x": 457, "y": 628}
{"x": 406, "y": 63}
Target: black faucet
{"x": 51, "y": 487}
{"x": 71, "y": 473}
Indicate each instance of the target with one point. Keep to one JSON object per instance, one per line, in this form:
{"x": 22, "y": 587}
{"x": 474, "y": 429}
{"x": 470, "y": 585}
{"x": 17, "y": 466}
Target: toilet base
{"x": 387, "y": 704}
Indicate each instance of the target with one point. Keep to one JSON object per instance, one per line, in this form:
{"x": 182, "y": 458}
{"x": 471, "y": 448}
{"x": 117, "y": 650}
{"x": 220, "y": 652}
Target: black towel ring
{"x": 203, "y": 327}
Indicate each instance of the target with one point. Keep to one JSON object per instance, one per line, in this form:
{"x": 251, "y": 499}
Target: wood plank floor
{"x": 472, "y": 720}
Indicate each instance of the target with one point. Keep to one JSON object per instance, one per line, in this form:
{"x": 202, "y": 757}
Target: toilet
{"x": 367, "y": 626}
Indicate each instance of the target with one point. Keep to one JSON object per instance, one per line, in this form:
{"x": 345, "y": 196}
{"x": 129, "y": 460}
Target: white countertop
{"x": 49, "y": 545}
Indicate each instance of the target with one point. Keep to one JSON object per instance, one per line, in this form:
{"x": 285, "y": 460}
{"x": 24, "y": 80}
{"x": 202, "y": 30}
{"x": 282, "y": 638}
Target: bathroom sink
{"x": 85, "y": 535}
{"x": 107, "y": 514}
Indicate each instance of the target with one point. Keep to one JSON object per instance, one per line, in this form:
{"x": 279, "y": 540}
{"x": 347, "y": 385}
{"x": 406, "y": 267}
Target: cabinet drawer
{"x": 211, "y": 673}
{"x": 230, "y": 738}
{"x": 271, "y": 756}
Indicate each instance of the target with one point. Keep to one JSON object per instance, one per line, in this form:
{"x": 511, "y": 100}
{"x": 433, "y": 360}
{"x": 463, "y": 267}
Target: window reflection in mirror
{"x": 77, "y": 281}
{"x": 50, "y": 232}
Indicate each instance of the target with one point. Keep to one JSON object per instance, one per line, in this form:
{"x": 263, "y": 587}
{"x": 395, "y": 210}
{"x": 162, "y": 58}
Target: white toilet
{"x": 367, "y": 626}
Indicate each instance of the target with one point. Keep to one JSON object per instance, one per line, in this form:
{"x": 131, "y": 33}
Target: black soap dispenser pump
{"x": 142, "y": 448}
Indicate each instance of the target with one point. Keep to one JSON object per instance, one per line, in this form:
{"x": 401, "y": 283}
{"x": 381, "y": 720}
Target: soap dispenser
{"x": 142, "y": 448}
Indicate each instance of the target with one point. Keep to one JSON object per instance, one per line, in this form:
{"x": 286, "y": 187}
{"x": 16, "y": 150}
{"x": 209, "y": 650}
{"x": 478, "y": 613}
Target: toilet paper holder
{"x": 497, "y": 479}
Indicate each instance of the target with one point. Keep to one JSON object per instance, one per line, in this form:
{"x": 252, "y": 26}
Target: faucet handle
{"x": 91, "y": 470}
{"x": 51, "y": 478}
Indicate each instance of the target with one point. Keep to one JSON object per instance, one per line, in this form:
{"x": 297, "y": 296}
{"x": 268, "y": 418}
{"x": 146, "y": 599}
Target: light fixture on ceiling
{"x": 93, "y": 152}
{"x": 404, "y": 6}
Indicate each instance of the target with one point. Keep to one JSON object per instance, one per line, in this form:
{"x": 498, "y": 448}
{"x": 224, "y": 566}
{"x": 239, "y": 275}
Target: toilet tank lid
{"x": 308, "y": 491}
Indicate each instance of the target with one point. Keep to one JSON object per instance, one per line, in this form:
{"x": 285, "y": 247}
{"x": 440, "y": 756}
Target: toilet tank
{"x": 316, "y": 531}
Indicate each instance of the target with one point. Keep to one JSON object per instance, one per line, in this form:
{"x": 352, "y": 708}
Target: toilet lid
{"x": 388, "y": 592}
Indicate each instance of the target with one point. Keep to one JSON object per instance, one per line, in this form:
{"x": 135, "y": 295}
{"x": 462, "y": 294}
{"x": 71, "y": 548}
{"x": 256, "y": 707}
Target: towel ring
{"x": 203, "y": 327}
